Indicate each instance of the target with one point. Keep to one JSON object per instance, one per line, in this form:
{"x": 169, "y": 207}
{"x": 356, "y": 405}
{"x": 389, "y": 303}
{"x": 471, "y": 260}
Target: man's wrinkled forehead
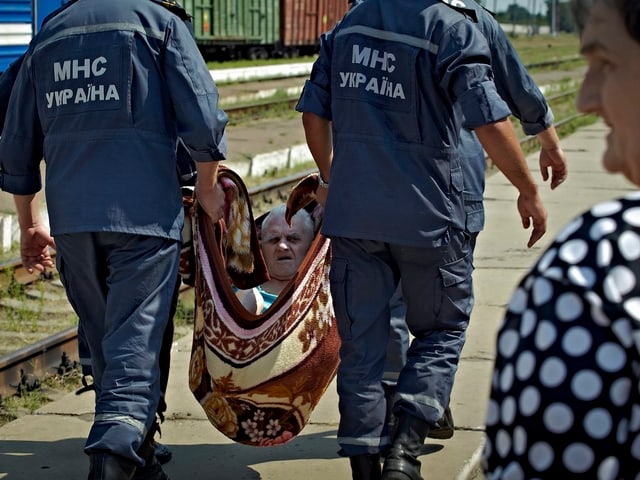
{"x": 277, "y": 224}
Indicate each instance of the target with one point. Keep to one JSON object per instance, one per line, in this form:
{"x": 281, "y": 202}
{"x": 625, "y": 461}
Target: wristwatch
{"x": 321, "y": 181}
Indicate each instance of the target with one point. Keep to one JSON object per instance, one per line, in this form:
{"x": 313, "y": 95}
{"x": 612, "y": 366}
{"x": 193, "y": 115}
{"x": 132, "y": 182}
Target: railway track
{"x": 54, "y": 353}
{"x": 21, "y": 369}
{"x": 254, "y": 110}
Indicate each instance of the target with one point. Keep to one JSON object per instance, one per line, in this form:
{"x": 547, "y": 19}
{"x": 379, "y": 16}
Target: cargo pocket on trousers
{"x": 338, "y": 283}
{"x": 457, "y": 289}
{"x": 475, "y": 216}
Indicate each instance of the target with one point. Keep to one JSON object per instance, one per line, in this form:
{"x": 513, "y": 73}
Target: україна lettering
{"x": 374, "y": 59}
{"x": 78, "y": 69}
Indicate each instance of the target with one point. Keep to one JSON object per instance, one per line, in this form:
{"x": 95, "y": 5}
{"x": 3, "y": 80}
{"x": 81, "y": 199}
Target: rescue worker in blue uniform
{"x": 185, "y": 168}
{"x": 382, "y": 111}
{"x": 103, "y": 94}
{"x": 528, "y": 105}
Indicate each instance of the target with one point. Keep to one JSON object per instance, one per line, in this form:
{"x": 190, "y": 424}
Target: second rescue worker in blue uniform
{"x": 103, "y": 94}
{"x": 382, "y": 114}
{"x": 527, "y": 103}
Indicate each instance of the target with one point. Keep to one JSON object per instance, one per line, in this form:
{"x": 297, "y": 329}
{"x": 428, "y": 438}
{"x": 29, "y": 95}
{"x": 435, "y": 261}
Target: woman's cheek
{"x": 610, "y": 161}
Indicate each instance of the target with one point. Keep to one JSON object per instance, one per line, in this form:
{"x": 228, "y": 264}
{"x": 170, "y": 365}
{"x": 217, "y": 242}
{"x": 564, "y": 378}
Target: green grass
{"x": 543, "y": 48}
{"x": 257, "y": 63}
{"x": 28, "y": 402}
{"x": 185, "y": 310}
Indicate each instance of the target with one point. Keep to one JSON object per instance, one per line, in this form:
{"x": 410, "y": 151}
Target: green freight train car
{"x": 226, "y": 29}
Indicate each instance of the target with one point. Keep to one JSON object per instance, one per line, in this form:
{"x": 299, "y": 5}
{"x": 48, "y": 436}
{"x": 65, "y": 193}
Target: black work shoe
{"x": 152, "y": 469}
{"x": 365, "y": 467}
{"x": 399, "y": 466}
{"x": 445, "y": 427}
{"x": 105, "y": 466}
{"x": 402, "y": 461}
{"x": 162, "y": 452}
{"x": 150, "y": 472}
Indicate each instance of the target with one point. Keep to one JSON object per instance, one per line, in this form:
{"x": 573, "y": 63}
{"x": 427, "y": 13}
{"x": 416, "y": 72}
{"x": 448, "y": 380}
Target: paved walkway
{"x": 48, "y": 444}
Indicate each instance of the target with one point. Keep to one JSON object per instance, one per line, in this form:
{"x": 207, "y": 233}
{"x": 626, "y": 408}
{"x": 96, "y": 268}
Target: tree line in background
{"x": 557, "y": 11}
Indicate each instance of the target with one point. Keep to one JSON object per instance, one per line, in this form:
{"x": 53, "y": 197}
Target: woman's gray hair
{"x": 580, "y": 10}
{"x": 628, "y": 9}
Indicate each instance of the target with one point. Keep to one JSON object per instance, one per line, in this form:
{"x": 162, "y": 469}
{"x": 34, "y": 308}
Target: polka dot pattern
{"x": 528, "y": 323}
{"x": 584, "y": 277}
{"x": 525, "y": 365}
{"x": 565, "y": 392}
{"x": 553, "y": 372}
{"x": 601, "y": 228}
{"x": 577, "y": 341}
{"x": 573, "y": 251}
{"x": 586, "y": 385}
{"x": 558, "y": 418}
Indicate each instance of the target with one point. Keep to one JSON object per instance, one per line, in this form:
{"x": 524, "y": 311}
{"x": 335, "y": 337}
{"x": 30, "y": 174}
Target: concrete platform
{"x": 48, "y": 444}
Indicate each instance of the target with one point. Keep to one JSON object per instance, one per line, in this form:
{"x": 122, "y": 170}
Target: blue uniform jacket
{"x": 103, "y": 94}
{"x": 522, "y": 95}
{"x": 392, "y": 76}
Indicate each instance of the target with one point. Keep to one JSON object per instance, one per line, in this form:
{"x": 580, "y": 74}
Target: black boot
{"x": 445, "y": 426}
{"x": 152, "y": 469}
{"x": 402, "y": 461}
{"x": 365, "y": 467}
{"x": 162, "y": 452}
{"x": 105, "y": 466}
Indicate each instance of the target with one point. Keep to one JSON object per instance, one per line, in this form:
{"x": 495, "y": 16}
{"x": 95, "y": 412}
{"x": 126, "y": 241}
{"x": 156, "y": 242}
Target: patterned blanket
{"x": 258, "y": 377}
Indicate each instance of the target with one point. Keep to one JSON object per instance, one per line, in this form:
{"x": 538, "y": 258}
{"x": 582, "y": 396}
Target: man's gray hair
{"x": 280, "y": 211}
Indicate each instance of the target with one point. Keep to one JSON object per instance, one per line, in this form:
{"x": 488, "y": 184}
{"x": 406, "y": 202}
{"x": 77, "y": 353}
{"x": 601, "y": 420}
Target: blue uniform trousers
{"x": 436, "y": 286}
{"x": 398, "y": 339}
{"x": 399, "y": 331}
{"x": 121, "y": 286}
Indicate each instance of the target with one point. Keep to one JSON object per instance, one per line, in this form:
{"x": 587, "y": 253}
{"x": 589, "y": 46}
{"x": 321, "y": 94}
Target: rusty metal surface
{"x": 303, "y": 21}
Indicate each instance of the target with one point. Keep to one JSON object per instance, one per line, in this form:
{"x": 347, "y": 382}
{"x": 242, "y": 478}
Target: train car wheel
{"x": 258, "y": 53}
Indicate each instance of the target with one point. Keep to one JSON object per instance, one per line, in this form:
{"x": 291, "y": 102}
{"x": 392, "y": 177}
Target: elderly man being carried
{"x": 284, "y": 247}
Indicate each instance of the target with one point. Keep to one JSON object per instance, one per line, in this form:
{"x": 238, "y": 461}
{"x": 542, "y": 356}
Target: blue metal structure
{"x": 19, "y": 21}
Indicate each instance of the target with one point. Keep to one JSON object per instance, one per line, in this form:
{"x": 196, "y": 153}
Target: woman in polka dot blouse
{"x": 565, "y": 393}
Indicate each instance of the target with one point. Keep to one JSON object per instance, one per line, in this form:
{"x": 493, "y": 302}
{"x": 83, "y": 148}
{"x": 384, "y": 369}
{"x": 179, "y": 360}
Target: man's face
{"x": 284, "y": 247}
{"x": 611, "y": 89}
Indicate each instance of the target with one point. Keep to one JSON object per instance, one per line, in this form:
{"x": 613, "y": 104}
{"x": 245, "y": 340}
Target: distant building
{"x": 525, "y": 29}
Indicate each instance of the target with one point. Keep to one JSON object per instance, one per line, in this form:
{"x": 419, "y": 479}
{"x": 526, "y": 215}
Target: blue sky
{"x": 539, "y": 6}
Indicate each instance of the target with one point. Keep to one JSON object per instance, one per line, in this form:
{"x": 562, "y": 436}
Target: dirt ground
{"x": 263, "y": 136}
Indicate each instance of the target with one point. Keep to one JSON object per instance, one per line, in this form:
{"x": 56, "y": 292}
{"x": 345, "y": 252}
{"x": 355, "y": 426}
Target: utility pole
{"x": 553, "y": 18}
